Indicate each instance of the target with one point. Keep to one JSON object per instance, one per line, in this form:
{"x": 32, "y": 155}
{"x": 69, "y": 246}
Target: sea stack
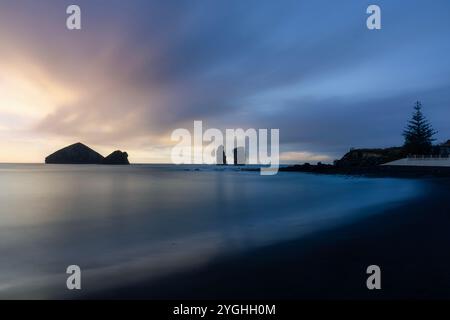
{"x": 76, "y": 153}
{"x": 221, "y": 158}
{"x": 239, "y": 156}
{"x": 117, "y": 158}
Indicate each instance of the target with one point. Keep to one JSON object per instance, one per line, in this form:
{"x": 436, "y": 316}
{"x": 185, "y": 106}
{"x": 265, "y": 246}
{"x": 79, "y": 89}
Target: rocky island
{"x": 117, "y": 157}
{"x": 79, "y": 153}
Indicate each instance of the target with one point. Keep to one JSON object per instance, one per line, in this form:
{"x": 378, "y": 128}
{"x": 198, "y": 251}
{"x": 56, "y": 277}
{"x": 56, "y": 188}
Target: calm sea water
{"x": 125, "y": 224}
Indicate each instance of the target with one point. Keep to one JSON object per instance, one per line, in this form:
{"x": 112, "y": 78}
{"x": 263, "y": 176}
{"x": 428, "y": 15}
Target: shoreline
{"x": 407, "y": 242}
{"x": 380, "y": 171}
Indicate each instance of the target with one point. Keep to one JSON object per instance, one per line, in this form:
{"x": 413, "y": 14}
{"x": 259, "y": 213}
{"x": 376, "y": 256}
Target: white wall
{"x": 423, "y": 162}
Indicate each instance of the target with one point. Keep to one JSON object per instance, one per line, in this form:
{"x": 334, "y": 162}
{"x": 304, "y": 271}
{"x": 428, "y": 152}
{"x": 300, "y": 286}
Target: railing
{"x": 427, "y": 157}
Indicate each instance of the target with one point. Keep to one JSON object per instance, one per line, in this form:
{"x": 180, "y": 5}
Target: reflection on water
{"x": 123, "y": 224}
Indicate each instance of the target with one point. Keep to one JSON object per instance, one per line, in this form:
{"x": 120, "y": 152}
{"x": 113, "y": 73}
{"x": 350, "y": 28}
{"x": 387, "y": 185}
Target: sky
{"x": 137, "y": 70}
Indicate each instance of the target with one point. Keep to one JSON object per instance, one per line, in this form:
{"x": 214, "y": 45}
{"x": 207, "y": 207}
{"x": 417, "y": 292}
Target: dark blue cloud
{"x": 310, "y": 68}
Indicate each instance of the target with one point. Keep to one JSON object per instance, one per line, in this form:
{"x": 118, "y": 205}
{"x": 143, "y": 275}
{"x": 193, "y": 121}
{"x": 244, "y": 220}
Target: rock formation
{"x": 117, "y": 157}
{"x": 370, "y": 157}
{"x": 221, "y": 158}
{"x": 239, "y": 156}
{"x": 77, "y": 153}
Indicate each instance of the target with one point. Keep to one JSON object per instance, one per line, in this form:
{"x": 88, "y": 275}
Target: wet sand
{"x": 410, "y": 243}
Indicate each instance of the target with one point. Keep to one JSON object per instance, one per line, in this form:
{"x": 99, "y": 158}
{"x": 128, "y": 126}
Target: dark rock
{"x": 370, "y": 157}
{"x": 240, "y": 156}
{"x": 373, "y": 171}
{"x": 77, "y": 153}
{"x": 221, "y": 158}
{"x": 117, "y": 157}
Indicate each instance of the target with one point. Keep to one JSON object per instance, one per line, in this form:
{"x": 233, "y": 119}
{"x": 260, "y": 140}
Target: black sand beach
{"x": 409, "y": 243}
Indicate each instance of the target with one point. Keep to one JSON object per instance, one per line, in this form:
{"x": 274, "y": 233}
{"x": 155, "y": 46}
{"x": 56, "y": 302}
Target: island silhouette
{"x": 79, "y": 153}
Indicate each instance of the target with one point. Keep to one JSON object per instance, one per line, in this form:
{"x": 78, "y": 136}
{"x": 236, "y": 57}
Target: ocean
{"x": 125, "y": 224}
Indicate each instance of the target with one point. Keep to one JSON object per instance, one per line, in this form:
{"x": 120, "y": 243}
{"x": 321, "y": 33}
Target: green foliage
{"x": 418, "y": 133}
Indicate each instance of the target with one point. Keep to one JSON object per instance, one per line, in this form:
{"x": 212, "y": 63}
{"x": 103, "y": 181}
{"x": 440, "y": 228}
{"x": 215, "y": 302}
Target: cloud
{"x": 137, "y": 71}
{"x": 297, "y": 157}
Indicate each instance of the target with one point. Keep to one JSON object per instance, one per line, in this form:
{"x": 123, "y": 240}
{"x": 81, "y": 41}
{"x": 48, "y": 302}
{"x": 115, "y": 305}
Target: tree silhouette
{"x": 418, "y": 133}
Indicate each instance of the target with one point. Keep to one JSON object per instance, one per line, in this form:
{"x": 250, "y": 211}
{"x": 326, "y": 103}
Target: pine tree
{"x": 418, "y": 133}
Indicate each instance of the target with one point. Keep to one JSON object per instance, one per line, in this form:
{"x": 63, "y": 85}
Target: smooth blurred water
{"x": 125, "y": 224}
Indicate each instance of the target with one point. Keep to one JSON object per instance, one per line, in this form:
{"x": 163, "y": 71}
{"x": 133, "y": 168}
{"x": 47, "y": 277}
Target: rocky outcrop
{"x": 221, "y": 158}
{"x": 372, "y": 171}
{"x": 117, "y": 158}
{"x": 370, "y": 157}
{"x": 239, "y": 156}
{"x": 77, "y": 153}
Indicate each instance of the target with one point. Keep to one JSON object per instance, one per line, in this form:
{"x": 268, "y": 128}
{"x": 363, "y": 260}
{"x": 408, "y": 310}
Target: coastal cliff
{"x": 372, "y": 162}
{"x": 370, "y": 157}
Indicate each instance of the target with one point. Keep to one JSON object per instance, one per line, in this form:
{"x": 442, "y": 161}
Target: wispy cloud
{"x": 138, "y": 70}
